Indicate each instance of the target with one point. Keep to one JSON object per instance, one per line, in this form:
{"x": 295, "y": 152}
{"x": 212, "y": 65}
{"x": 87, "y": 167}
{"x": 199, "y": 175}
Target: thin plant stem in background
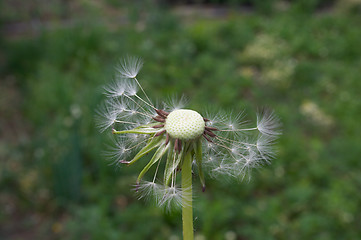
{"x": 180, "y": 139}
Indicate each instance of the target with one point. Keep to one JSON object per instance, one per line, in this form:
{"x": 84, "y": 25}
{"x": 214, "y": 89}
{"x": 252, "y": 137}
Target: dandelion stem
{"x": 187, "y": 210}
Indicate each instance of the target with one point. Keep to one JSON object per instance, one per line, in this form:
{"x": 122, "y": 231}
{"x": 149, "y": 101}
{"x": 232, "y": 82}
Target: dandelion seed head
{"x": 217, "y": 142}
{"x": 184, "y": 124}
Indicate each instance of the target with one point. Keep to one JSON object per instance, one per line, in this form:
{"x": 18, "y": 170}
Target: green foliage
{"x": 304, "y": 66}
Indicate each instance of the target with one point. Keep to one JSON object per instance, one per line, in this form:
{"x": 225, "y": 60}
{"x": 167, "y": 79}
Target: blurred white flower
{"x": 312, "y": 111}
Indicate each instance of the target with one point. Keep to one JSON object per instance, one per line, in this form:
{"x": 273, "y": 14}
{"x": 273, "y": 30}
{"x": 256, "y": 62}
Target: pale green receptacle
{"x": 184, "y": 124}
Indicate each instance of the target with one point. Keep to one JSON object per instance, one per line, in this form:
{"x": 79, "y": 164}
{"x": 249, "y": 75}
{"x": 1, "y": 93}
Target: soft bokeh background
{"x": 300, "y": 58}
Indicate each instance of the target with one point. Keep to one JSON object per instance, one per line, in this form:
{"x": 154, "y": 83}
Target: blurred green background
{"x": 300, "y": 58}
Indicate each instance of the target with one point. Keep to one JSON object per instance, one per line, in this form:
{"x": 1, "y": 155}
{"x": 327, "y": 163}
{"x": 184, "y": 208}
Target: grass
{"x": 57, "y": 185}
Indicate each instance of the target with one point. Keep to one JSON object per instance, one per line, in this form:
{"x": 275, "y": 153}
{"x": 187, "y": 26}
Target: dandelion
{"x": 181, "y": 140}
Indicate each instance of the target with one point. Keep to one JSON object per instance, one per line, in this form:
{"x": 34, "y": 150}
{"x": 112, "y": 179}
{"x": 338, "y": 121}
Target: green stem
{"x": 187, "y": 210}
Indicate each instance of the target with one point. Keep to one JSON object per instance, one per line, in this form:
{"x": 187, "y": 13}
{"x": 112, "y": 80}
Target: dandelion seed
{"x": 149, "y": 190}
{"x": 130, "y": 67}
{"x": 117, "y": 106}
{"x": 175, "y": 104}
{"x": 116, "y": 88}
{"x": 265, "y": 147}
{"x": 105, "y": 116}
{"x": 131, "y": 89}
{"x": 118, "y": 152}
{"x": 174, "y": 197}
{"x": 268, "y": 123}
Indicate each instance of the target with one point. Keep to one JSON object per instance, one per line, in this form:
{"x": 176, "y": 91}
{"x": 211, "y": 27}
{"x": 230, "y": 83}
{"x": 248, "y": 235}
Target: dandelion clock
{"x": 180, "y": 140}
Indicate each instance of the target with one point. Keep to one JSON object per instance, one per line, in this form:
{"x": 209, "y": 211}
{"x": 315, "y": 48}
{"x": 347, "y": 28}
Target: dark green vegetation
{"x": 56, "y": 184}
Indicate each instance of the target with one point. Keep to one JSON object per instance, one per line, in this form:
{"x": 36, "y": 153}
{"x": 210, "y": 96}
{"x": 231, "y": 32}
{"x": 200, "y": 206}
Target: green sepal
{"x": 143, "y": 129}
{"x": 156, "y": 157}
{"x": 152, "y": 144}
{"x": 171, "y": 166}
{"x": 170, "y": 157}
{"x": 197, "y": 147}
